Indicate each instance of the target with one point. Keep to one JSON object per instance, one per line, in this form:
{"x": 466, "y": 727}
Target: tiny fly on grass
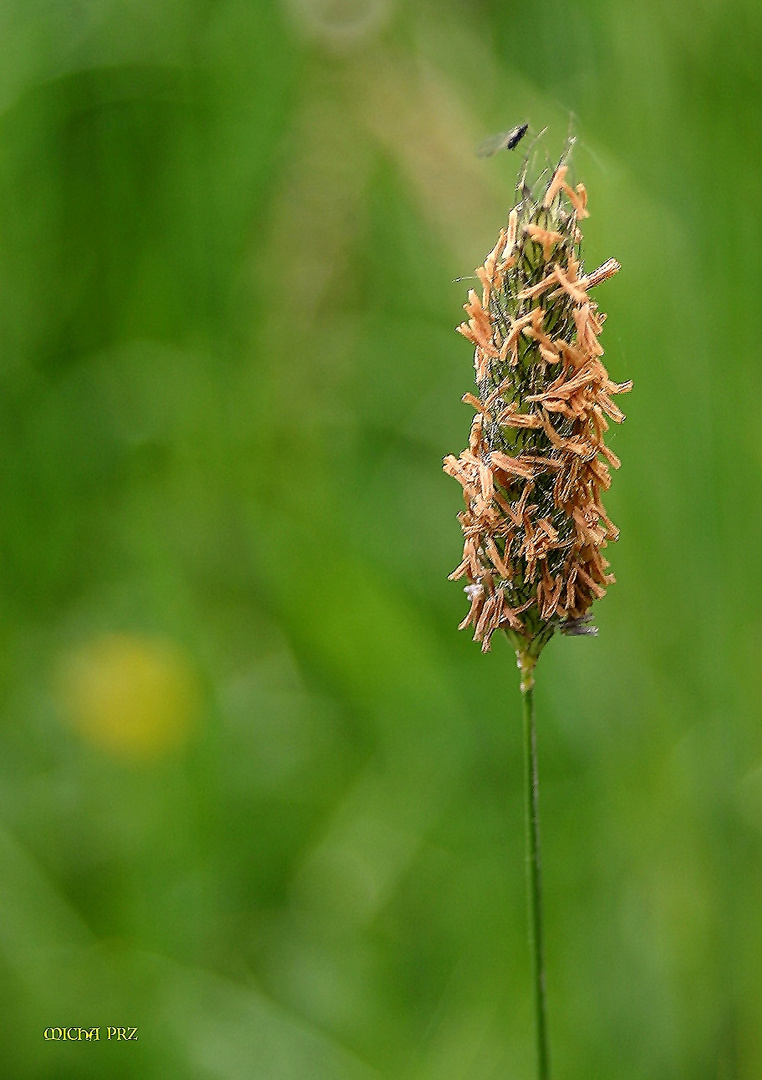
{"x": 505, "y": 140}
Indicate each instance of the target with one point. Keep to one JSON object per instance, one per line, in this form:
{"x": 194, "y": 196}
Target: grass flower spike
{"x": 536, "y": 465}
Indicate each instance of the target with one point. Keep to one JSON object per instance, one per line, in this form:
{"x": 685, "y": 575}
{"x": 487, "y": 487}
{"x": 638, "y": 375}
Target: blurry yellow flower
{"x": 135, "y": 697}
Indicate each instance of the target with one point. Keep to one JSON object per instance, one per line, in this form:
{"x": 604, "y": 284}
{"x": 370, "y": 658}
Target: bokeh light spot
{"x": 135, "y": 697}
{"x": 340, "y": 24}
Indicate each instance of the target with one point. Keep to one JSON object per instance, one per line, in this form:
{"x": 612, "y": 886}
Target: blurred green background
{"x": 258, "y": 797}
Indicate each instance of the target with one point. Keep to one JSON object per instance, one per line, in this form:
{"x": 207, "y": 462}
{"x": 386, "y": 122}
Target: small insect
{"x": 505, "y": 140}
{"x": 579, "y": 626}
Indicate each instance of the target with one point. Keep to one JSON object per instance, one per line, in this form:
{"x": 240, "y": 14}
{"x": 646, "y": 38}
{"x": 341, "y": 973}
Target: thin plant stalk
{"x": 534, "y": 865}
{"x": 537, "y": 464}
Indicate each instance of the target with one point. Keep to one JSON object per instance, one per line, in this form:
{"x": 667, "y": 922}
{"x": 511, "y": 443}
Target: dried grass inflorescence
{"x": 536, "y": 465}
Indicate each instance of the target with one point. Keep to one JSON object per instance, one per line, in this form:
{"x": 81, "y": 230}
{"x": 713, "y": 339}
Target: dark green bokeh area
{"x": 258, "y": 798}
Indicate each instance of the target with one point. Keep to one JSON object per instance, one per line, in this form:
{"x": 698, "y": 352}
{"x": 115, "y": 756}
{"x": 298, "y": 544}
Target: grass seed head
{"x": 536, "y": 465}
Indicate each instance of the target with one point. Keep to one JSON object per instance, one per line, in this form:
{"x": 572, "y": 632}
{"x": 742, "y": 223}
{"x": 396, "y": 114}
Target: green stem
{"x": 534, "y": 868}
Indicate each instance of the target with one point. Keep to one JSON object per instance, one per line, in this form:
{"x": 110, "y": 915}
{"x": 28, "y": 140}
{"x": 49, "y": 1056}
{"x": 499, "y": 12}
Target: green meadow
{"x": 259, "y": 800}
